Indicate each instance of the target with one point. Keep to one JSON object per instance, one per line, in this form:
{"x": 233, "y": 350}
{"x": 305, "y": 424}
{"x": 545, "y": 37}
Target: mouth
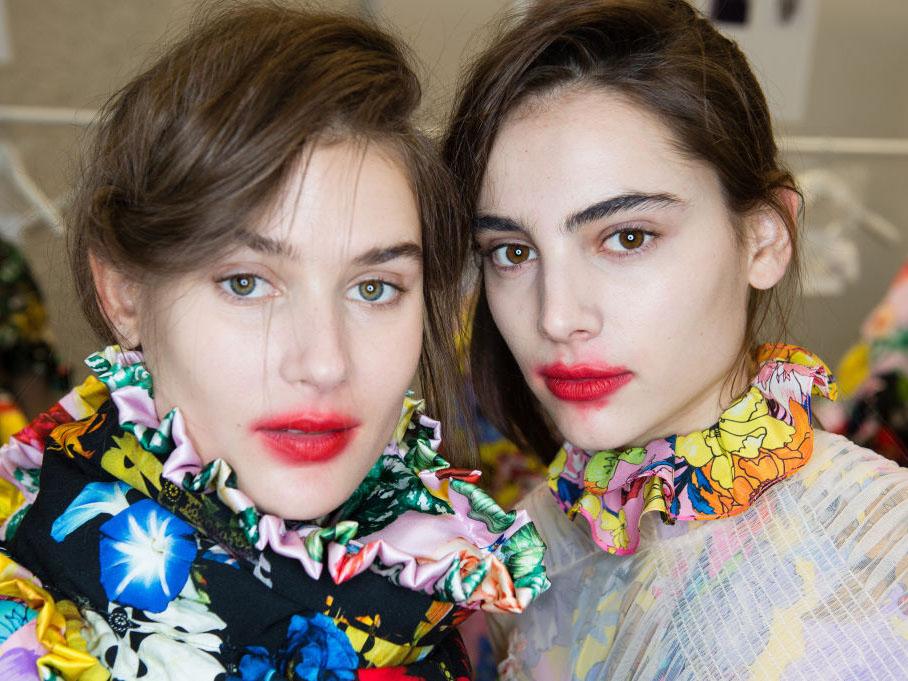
{"x": 306, "y": 438}
{"x": 584, "y": 383}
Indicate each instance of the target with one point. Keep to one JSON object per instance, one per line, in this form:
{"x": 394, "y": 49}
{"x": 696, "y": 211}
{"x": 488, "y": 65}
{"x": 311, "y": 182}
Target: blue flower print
{"x": 315, "y": 650}
{"x": 146, "y": 553}
{"x": 95, "y": 499}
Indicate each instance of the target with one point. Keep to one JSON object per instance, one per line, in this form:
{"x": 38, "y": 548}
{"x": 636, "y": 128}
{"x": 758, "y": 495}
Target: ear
{"x": 119, "y": 297}
{"x": 770, "y": 242}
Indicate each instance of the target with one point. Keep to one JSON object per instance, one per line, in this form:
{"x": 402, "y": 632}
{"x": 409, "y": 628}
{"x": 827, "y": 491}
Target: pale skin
{"x": 603, "y": 244}
{"x": 321, "y": 310}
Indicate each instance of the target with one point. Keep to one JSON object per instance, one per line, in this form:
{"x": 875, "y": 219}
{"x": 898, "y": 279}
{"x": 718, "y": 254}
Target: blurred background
{"x": 834, "y": 71}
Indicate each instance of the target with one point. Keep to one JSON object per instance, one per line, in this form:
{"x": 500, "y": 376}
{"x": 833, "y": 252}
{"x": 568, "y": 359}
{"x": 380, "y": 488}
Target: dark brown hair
{"x": 659, "y": 54}
{"x": 189, "y": 153}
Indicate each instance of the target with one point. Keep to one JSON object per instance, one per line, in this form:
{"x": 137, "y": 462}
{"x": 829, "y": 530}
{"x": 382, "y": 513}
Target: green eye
{"x": 242, "y": 284}
{"x": 375, "y": 292}
{"x": 246, "y": 286}
{"x": 371, "y": 290}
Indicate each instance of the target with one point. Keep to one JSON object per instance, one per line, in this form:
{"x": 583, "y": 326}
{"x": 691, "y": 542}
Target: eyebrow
{"x": 381, "y": 255}
{"x": 616, "y": 204}
{"x": 494, "y": 223}
{"x": 374, "y": 256}
{"x": 269, "y": 246}
{"x": 597, "y": 211}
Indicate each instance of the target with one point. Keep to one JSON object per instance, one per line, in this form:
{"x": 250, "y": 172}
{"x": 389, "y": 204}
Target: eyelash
{"x": 648, "y": 238}
{"x": 394, "y": 291}
{"x": 490, "y": 252}
{"x": 397, "y": 292}
{"x": 226, "y": 289}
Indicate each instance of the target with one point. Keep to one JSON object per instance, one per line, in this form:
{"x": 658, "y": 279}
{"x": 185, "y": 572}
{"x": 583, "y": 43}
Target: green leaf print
{"x": 483, "y": 508}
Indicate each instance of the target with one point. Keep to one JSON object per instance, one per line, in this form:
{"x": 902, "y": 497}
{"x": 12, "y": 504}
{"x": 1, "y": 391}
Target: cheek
{"x": 384, "y": 352}
{"x": 692, "y": 312}
{"x": 513, "y": 309}
{"x": 199, "y": 360}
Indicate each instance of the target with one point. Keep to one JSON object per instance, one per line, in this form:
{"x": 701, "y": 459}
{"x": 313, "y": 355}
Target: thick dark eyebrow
{"x": 609, "y": 207}
{"x": 381, "y": 255}
{"x": 598, "y": 211}
{"x": 493, "y": 223}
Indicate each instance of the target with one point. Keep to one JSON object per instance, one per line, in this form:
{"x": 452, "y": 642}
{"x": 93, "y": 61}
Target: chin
{"x": 595, "y": 436}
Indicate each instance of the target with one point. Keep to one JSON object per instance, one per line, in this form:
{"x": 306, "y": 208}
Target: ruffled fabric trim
{"x": 474, "y": 555}
{"x": 762, "y": 438}
{"x": 54, "y": 637}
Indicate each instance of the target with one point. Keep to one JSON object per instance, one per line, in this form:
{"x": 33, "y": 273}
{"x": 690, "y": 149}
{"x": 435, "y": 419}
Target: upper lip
{"x": 307, "y": 422}
{"x": 580, "y": 372}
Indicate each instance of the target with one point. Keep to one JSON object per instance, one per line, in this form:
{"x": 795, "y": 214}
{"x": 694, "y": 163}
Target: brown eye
{"x": 630, "y": 239}
{"x": 516, "y": 254}
{"x": 511, "y": 256}
{"x": 627, "y": 240}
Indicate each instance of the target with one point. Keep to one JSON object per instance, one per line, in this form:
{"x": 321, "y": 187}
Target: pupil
{"x": 516, "y": 254}
{"x": 630, "y": 239}
{"x": 371, "y": 290}
{"x": 242, "y": 285}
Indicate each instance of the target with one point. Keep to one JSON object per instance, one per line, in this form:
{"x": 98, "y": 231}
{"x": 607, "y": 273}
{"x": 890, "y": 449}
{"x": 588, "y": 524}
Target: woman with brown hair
{"x": 634, "y": 223}
{"x": 245, "y": 488}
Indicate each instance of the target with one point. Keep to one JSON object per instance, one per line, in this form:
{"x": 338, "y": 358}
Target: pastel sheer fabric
{"x": 809, "y": 583}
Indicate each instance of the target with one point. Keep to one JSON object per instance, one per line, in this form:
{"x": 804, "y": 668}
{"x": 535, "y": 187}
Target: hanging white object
{"x": 778, "y": 38}
{"x": 21, "y": 200}
{"x": 831, "y": 257}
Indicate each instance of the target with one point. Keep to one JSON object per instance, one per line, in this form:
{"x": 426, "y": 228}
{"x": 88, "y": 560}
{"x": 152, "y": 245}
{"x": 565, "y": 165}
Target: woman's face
{"x": 289, "y": 358}
{"x": 612, "y": 269}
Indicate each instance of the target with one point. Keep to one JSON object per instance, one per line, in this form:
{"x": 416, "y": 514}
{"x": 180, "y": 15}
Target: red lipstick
{"x": 582, "y": 382}
{"x": 306, "y": 438}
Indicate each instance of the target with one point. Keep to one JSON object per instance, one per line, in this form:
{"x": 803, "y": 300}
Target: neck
{"x": 703, "y": 409}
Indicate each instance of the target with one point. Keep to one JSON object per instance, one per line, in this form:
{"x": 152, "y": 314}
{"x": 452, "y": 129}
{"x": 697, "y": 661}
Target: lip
{"x": 584, "y": 382}
{"x": 306, "y": 437}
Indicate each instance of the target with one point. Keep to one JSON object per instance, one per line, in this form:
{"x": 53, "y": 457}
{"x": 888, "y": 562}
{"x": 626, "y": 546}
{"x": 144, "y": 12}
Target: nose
{"x": 568, "y": 309}
{"x": 316, "y": 350}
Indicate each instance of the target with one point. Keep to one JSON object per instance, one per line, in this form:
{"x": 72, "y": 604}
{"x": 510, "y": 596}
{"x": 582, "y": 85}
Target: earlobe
{"x": 118, "y": 295}
{"x": 771, "y": 244}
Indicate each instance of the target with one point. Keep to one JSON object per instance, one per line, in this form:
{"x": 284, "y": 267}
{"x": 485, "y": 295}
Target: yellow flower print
{"x": 608, "y": 521}
{"x": 556, "y": 468}
{"x": 744, "y": 429}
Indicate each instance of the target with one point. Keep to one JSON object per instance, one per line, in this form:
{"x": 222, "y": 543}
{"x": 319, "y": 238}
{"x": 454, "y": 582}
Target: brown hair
{"x": 661, "y": 55}
{"x": 191, "y": 151}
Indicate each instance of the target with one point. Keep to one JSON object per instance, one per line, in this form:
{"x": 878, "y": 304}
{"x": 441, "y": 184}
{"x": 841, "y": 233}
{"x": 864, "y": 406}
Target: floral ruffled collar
{"x": 485, "y": 557}
{"x": 762, "y": 438}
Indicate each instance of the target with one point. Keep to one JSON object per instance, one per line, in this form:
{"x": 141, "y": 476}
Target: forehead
{"x": 567, "y": 150}
{"x": 349, "y": 193}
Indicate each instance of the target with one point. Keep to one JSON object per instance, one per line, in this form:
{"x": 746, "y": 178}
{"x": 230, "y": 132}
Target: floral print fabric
{"x": 24, "y": 339}
{"x": 808, "y": 583}
{"x": 762, "y": 438}
{"x": 24, "y": 346}
{"x": 177, "y": 574}
{"x": 873, "y": 377}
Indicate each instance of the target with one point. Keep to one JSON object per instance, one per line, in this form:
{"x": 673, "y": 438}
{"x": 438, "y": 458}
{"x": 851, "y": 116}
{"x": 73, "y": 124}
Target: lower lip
{"x": 592, "y": 389}
{"x": 302, "y": 447}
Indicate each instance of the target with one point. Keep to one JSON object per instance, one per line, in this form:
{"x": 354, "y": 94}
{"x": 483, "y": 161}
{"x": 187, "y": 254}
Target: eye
{"x": 245, "y": 285}
{"x": 374, "y": 291}
{"x": 626, "y": 240}
{"x": 512, "y": 255}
